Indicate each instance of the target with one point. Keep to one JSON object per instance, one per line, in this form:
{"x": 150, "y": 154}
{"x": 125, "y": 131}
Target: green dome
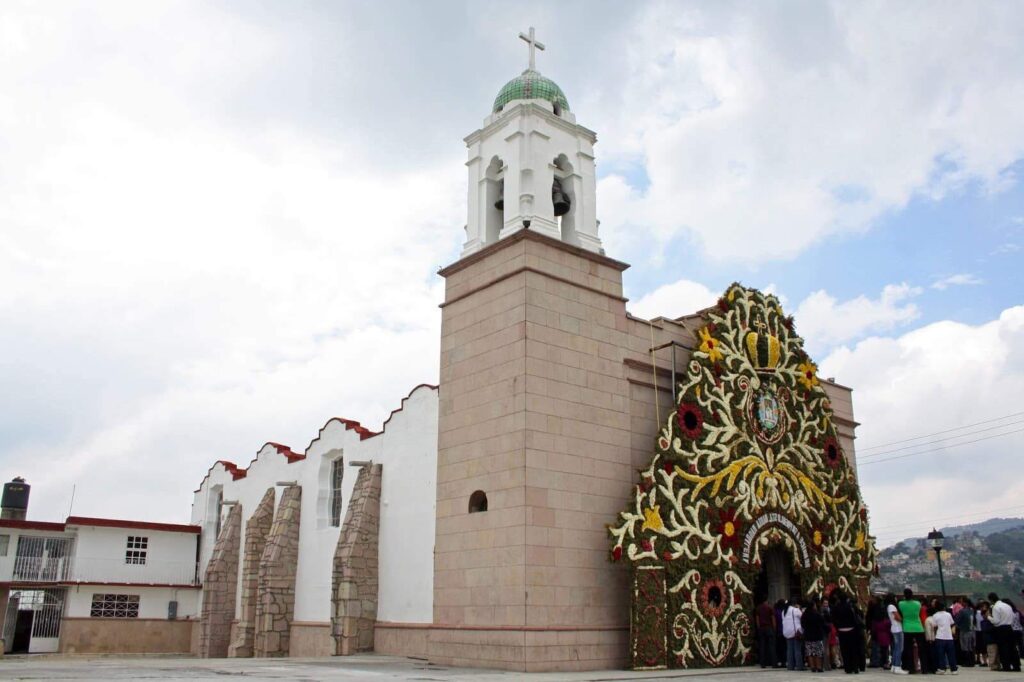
{"x": 531, "y": 85}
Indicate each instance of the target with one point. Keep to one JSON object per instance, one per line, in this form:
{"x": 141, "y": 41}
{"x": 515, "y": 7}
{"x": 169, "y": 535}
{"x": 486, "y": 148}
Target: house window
{"x": 220, "y": 510}
{"x": 337, "y": 471}
{"x": 115, "y": 606}
{"x": 478, "y": 502}
{"x": 5, "y": 543}
{"x": 136, "y": 552}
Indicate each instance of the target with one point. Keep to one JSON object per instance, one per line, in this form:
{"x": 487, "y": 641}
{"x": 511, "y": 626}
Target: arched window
{"x": 478, "y": 502}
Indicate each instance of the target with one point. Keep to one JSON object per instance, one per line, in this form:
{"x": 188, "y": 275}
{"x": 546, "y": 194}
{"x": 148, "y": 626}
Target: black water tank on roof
{"x": 16, "y": 495}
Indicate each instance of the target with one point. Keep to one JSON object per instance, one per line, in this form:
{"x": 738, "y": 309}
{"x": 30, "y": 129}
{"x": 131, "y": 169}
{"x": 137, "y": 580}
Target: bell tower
{"x": 531, "y": 166}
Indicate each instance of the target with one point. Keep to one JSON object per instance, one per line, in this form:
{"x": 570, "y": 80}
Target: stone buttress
{"x": 275, "y": 602}
{"x": 355, "y": 579}
{"x": 256, "y": 531}
{"x": 219, "y": 587}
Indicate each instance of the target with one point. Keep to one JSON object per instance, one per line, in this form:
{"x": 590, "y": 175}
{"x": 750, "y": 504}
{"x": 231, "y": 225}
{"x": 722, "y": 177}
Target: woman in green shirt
{"x": 913, "y": 628}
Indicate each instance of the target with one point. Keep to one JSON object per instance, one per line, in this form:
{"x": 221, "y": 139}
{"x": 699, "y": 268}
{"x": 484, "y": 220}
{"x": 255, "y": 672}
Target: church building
{"x": 583, "y": 488}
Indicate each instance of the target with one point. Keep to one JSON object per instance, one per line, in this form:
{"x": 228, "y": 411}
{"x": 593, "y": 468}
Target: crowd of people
{"x": 905, "y": 636}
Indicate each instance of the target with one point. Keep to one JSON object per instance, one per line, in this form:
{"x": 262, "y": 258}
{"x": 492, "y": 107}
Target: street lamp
{"x": 936, "y": 537}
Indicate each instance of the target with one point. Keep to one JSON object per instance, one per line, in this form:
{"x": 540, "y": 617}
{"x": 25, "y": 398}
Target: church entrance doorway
{"x": 777, "y": 579}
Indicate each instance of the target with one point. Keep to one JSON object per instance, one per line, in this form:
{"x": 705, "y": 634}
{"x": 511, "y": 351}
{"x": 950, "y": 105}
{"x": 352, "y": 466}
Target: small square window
{"x": 5, "y": 543}
{"x": 114, "y": 606}
{"x": 136, "y": 549}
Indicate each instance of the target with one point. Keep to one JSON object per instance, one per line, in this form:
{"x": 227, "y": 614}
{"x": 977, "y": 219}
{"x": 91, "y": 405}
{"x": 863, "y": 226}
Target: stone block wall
{"x": 275, "y": 601}
{"x": 355, "y": 579}
{"x": 220, "y": 585}
{"x": 256, "y": 532}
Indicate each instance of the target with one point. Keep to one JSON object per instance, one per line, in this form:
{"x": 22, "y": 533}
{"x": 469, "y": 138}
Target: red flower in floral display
{"x": 691, "y": 420}
{"x": 831, "y": 452}
{"x": 616, "y": 553}
{"x": 669, "y": 467}
{"x": 646, "y": 544}
{"x": 713, "y": 597}
{"x": 667, "y": 556}
{"x": 729, "y": 528}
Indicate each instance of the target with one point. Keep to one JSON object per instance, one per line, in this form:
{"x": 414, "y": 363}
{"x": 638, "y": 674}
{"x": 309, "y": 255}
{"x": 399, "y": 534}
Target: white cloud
{"x": 762, "y": 131}
{"x": 823, "y": 321}
{"x": 960, "y": 279}
{"x": 938, "y": 377}
{"x": 674, "y": 300}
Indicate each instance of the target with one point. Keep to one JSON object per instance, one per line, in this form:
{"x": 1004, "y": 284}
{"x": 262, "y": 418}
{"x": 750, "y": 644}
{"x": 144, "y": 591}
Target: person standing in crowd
{"x": 945, "y": 649}
{"x": 813, "y": 625}
{"x": 1002, "y": 622}
{"x": 964, "y": 620}
{"x": 927, "y": 661}
{"x": 861, "y": 651}
{"x": 881, "y": 637}
{"x": 873, "y": 614}
{"x": 896, "y": 630}
{"x": 792, "y": 631}
{"x": 913, "y": 629}
{"x": 766, "y": 634}
{"x": 780, "y": 641}
{"x": 988, "y": 635}
{"x": 830, "y": 638}
{"x": 845, "y": 621}
{"x": 1018, "y": 630}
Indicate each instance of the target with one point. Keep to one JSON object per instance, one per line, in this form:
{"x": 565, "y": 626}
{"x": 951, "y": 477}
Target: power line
{"x": 943, "y": 440}
{"x": 925, "y": 452}
{"x": 901, "y": 527}
{"x": 928, "y": 435}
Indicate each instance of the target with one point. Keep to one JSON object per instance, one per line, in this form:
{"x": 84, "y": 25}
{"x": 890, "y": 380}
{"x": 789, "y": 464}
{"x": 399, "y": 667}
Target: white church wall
{"x": 407, "y": 447}
{"x": 408, "y": 498}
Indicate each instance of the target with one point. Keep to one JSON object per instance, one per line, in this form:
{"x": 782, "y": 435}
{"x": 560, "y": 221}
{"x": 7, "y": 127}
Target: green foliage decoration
{"x": 749, "y": 460}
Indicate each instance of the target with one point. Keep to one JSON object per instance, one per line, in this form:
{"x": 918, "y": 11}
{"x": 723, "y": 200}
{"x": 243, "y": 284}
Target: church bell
{"x": 500, "y": 203}
{"x": 559, "y": 198}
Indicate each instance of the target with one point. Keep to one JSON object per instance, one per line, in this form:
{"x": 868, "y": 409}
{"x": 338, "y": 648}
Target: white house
{"x": 98, "y": 585}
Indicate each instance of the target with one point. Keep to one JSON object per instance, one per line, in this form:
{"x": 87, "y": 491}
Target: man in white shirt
{"x": 945, "y": 650}
{"x": 1002, "y": 622}
{"x": 792, "y": 630}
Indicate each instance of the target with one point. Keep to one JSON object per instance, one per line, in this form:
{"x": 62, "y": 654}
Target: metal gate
{"x": 47, "y": 606}
{"x": 10, "y": 620}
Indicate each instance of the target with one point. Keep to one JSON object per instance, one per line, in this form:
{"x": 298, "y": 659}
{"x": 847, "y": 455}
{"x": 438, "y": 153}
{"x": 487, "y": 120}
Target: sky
{"x": 221, "y": 222}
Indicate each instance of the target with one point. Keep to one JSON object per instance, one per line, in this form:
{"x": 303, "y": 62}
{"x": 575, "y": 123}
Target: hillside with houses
{"x": 976, "y": 559}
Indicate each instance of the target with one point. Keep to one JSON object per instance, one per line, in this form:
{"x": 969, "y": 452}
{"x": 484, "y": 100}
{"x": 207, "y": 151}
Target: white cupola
{"x": 531, "y": 166}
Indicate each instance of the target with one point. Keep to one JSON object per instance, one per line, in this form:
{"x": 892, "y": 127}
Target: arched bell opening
{"x": 563, "y": 195}
{"x": 494, "y": 177}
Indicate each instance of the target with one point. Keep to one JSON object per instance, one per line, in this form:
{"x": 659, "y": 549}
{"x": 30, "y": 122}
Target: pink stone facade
{"x": 355, "y": 578}
{"x": 549, "y": 402}
{"x": 275, "y": 601}
{"x": 220, "y": 585}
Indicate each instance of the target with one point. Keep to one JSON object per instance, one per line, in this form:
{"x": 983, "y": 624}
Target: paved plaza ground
{"x": 373, "y": 668}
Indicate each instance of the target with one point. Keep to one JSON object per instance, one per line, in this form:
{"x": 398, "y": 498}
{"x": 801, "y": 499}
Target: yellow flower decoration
{"x": 808, "y": 374}
{"x": 859, "y": 543}
{"x": 818, "y": 538}
{"x": 652, "y": 519}
{"x": 709, "y": 345}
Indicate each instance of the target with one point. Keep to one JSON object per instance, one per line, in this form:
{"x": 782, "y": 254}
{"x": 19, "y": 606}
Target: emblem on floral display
{"x": 748, "y": 461}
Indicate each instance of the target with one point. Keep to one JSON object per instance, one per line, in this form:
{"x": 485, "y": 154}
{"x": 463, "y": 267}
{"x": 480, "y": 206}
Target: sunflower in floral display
{"x": 818, "y": 538}
{"x": 808, "y": 374}
{"x": 709, "y": 345}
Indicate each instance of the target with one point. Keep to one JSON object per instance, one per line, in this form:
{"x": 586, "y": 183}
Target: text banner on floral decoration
{"x": 748, "y": 466}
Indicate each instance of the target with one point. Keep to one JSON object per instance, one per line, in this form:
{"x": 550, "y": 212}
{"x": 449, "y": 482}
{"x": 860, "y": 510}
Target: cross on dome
{"x": 534, "y": 44}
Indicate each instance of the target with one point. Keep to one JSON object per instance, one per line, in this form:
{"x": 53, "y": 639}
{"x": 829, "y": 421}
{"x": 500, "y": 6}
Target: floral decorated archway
{"x": 748, "y": 460}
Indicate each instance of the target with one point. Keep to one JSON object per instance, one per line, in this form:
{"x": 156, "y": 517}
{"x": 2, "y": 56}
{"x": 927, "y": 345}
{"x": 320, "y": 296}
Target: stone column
{"x": 275, "y": 601}
{"x": 220, "y": 583}
{"x": 354, "y": 583}
{"x": 256, "y": 531}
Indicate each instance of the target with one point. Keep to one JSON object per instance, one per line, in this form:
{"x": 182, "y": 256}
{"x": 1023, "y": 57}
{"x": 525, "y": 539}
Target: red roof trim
{"x": 292, "y": 456}
{"x": 289, "y": 454}
{"x": 125, "y": 523}
{"x": 31, "y": 525}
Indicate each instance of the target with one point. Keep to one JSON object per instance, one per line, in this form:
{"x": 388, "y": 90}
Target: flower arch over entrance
{"x": 748, "y": 488}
